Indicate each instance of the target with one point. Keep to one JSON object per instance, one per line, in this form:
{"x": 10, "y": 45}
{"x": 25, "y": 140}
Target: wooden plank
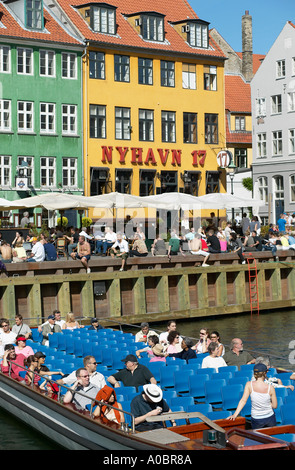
{"x": 202, "y": 286}
{"x": 34, "y": 300}
{"x": 183, "y": 292}
{"x": 291, "y": 283}
{"x": 87, "y": 298}
{"x": 221, "y": 289}
{"x": 240, "y": 287}
{"x": 8, "y": 302}
{"x": 64, "y": 298}
{"x": 276, "y": 284}
{"x": 163, "y": 294}
{"x": 114, "y": 296}
{"x": 139, "y": 296}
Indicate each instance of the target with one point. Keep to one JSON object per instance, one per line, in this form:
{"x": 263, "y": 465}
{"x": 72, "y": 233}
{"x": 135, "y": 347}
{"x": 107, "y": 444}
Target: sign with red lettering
{"x": 223, "y": 158}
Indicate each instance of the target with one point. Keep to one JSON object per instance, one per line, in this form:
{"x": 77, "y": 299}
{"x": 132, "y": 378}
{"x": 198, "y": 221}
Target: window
{"x": 261, "y": 145}
{"x": 99, "y": 181}
{"x": 263, "y": 188}
{"x": 97, "y": 65}
{"x": 211, "y": 128}
{"x": 152, "y": 28}
{"x": 210, "y": 77}
{"x": 279, "y": 187}
{"x": 5, "y": 170}
{"x": 241, "y": 158}
{"x": 47, "y": 118}
{"x": 47, "y": 171}
{"x": 260, "y": 107}
{"x": 240, "y": 123}
{"x": 169, "y": 181}
{"x": 47, "y": 63}
{"x": 276, "y": 104}
{"x": 25, "y": 169}
{"x": 147, "y": 182}
{"x": 4, "y": 59}
{"x": 69, "y": 172}
{"x": 292, "y": 188}
{"x": 146, "y": 125}
{"x": 212, "y": 182}
{"x": 291, "y": 140}
{"x": 69, "y": 65}
{"x": 5, "y": 115}
{"x": 103, "y": 20}
{"x": 145, "y": 71}
{"x": 198, "y": 35}
{"x": 280, "y": 69}
{"x": 25, "y": 116}
{"x": 277, "y": 143}
{"x": 69, "y": 119}
{"x": 34, "y": 14}
{"x": 122, "y": 68}
{"x": 167, "y": 73}
{"x": 168, "y": 126}
{"x": 97, "y": 121}
{"x": 122, "y": 123}
{"x": 189, "y": 79}
{"x": 291, "y": 101}
{"x": 190, "y": 133}
{"x": 24, "y": 61}
{"x": 293, "y": 66}
{"x": 123, "y": 181}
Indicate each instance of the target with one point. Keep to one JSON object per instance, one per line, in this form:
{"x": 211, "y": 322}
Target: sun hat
{"x": 158, "y": 350}
{"x": 153, "y": 392}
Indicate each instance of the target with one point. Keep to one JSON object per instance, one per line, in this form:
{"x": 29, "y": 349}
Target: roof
{"x": 126, "y": 35}
{"x": 257, "y": 58}
{"x": 11, "y": 27}
{"x": 237, "y": 137}
{"x": 237, "y": 94}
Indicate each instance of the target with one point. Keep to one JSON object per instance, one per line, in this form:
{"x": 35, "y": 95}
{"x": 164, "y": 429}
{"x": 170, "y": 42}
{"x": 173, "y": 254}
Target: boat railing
{"x": 124, "y": 426}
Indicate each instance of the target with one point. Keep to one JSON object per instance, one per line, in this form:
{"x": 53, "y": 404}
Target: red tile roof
{"x": 174, "y": 10}
{"x": 257, "y": 58}
{"x": 237, "y": 94}
{"x": 53, "y": 31}
{"x": 236, "y": 137}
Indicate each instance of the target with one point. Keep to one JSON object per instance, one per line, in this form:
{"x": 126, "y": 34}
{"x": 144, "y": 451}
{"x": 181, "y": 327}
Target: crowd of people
{"x": 86, "y": 384}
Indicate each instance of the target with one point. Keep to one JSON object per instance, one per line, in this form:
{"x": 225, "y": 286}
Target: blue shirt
{"x": 281, "y": 224}
{"x": 50, "y": 252}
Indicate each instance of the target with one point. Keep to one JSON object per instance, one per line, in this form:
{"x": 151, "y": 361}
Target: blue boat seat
{"x": 214, "y": 415}
{"x": 288, "y": 413}
{"x": 167, "y": 377}
{"x": 231, "y": 395}
{"x": 287, "y": 437}
{"x": 203, "y": 408}
{"x": 213, "y": 391}
{"x": 181, "y": 401}
{"x": 197, "y": 385}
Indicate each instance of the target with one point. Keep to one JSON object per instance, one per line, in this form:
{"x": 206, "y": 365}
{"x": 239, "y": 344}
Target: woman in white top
{"x": 215, "y": 338}
{"x": 71, "y": 323}
{"x": 213, "y": 360}
{"x": 204, "y": 341}
{"x": 263, "y": 400}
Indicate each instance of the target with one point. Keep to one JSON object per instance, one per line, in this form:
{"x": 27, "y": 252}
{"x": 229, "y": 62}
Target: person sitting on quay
{"x": 158, "y": 247}
{"x": 144, "y": 333}
{"x": 249, "y": 243}
{"x": 195, "y": 247}
{"x": 21, "y": 346}
{"x": 107, "y": 395}
{"x": 187, "y": 351}
{"x": 213, "y": 242}
{"x": 105, "y": 241}
{"x": 20, "y": 327}
{"x": 139, "y": 247}
{"x": 18, "y": 240}
{"x": 73, "y": 240}
{"x": 50, "y": 250}
{"x": 236, "y": 247}
{"x": 37, "y": 254}
{"x": 83, "y": 385}
{"x": 174, "y": 246}
{"x": 6, "y": 252}
{"x": 213, "y": 360}
{"x": 90, "y": 364}
{"x": 120, "y": 249}
{"x": 12, "y": 363}
{"x": 19, "y": 254}
{"x": 49, "y": 328}
{"x": 83, "y": 252}
{"x": 236, "y": 356}
{"x": 134, "y": 374}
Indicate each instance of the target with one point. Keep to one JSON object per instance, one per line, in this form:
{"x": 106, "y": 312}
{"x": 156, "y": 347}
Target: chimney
{"x": 247, "y": 48}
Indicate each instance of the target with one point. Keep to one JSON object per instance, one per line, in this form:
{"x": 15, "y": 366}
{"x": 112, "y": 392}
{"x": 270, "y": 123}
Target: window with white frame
{"x": 69, "y": 172}
{"x": 292, "y": 141}
{"x": 47, "y": 63}
{"x": 103, "y": 20}
{"x": 293, "y": 66}
{"x": 34, "y": 14}
{"x": 25, "y": 168}
{"x": 277, "y": 143}
{"x": 24, "y": 61}
{"x": 210, "y": 77}
{"x": 69, "y": 65}
{"x": 5, "y": 115}
{"x": 263, "y": 189}
{"x": 278, "y": 187}
{"x": 240, "y": 123}
{"x": 47, "y": 171}
{"x": 260, "y": 107}
{"x": 122, "y": 123}
{"x": 152, "y": 28}
{"x": 276, "y": 104}
{"x": 198, "y": 35}
{"x": 280, "y": 69}
{"x": 168, "y": 126}
{"x": 4, "y": 59}
{"x": 292, "y": 188}
{"x": 25, "y": 116}
{"x": 69, "y": 119}
{"x": 189, "y": 78}
{"x": 47, "y": 118}
{"x": 146, "y": 125}
{"x": 261, "y": 145}
{"x": 291, "y": 101}
{"x": 5, "y": 170}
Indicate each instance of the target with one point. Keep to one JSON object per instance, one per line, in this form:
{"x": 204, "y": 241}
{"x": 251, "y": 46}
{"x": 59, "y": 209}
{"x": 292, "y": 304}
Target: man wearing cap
{"x": 133, "y": 375}
{"x": 149, "y": 403}
{"x": 49, "y": 328}
{"x": 95, "y": 325}
{"x": 38, "y": 254}
{"x": 237, "y": 356}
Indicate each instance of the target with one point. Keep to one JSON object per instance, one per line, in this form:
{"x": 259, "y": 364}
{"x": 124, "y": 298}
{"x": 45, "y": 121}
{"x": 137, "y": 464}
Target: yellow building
{"x": 154, "y": 109}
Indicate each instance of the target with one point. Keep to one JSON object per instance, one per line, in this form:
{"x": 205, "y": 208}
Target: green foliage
{"x": 86, "y": 222}
{"x": 248, "y": 183}
{"x": 64, "y": 221}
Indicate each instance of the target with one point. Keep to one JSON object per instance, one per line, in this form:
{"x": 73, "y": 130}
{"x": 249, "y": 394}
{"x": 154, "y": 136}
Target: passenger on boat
{"x": 21, "y": 328}
{"x": 41, "y": 369}
{"x": 171, "y": 326}
{"x": 71, "y": 323}
{"x": 108, "y": 395}
{"x": 95, "y": 325}
{"x": 202, "y": 345}
{"x": 173, "y": 342}
{"x": 152, "y": 341}
{"x": 187, "y": 351}
{"x": 237, "y": 356}
{"x": 21, "y": 347}
{"x": 83, "y": 385}
{"x": 12, "y": 363}
{"x": 158, "y": 354}
{"x": 7, "y": 336}
{"x": 144, "y": 333}
{"x": 133, "y": 375}
{"x": 263, "y": 400}
{"x": 215, "y": 338}
{"x": 274, "y": 381}
{"x": 96, "y": 378}
{"x": 49, "y": 328}
{"x": 213, "y": 360}
{"x": 149, "y": 403}
{"x": 83, "y": 252}
{"x": 58, "y": 320}
{"x": 120, "y": 249}
{"x": 31, "y": 363}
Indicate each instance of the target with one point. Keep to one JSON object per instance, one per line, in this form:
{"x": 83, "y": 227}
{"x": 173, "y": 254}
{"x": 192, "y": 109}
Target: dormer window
{"x": 152, "y": 27}
{"x": 34, "y": 14}
{"x": 197, "y": 34}
{"x": 103, "y": 19}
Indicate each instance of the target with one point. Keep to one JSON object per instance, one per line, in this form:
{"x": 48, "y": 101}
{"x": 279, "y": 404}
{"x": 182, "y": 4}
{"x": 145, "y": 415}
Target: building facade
{"x": 41, "y": 140}
{"x": 273, "y": 110}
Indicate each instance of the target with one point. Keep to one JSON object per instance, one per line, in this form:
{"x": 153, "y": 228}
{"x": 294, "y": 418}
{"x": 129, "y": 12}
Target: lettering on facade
{"x": 151, "y": 157}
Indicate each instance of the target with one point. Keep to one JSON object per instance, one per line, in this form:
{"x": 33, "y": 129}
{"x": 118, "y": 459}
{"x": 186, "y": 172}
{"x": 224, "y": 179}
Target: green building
{"x": 41, "y": 138}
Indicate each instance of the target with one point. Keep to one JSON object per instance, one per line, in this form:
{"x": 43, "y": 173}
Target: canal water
{"x": 269, "y": 333}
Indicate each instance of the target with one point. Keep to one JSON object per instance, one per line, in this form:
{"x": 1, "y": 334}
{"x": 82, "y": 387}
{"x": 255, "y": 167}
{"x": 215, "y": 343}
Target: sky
{"x": 268, "y": 19}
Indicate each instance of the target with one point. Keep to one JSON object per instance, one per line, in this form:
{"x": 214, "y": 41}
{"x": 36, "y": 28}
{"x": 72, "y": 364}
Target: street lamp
{"x": 231, "y": 171}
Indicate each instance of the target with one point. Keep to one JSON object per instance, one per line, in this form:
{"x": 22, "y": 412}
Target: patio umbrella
{"x": 172, "y": 201}
{"x": 227, "y": 201}
{"x": 59, "y": 201}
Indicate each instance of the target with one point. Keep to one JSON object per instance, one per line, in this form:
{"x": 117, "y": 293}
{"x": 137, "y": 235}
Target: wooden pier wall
{"x": 151, "y": 289}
